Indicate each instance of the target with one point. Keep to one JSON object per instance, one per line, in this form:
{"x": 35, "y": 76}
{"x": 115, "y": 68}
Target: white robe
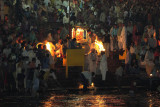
{"x": 123, "y": 39}
{"x": 65, "y": 3}
{"x": 65, "y": 20}
{"x": 149, "y": 57}
{"x": 103, "y": 67}
{"x": 102, "y": 17}
{"x": 58, "y": 3}
{"x": 31, "y": 55}
{"x": 92, "y": 62}
{"x": 46, "y": 2}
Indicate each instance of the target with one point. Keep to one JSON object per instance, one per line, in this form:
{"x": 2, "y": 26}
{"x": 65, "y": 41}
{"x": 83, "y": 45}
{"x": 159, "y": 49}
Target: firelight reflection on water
{"x": 83, "y": 101}
{"x": 78, "y": 98}
{"x": 101, "y": 100}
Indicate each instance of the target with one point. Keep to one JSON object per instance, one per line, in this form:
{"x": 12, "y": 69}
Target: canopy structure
{"x": 80, "y": 33}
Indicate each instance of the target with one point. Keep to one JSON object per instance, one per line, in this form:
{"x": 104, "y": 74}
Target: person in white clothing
{"x": 103, "y": 66}
{"x": 123, "y": 38}
{"x": 86, "y": 79}
{"x": 103, "y": 17}
{"x": 65, "y": 3}
{"x": 92, "y": 58}
{"x": 7, "y": 51}
{"x": 58, "y": 3}
{"x": 149, "y": 61}
{"x": 65, "y": 19}
{"x": 46, "y": 2}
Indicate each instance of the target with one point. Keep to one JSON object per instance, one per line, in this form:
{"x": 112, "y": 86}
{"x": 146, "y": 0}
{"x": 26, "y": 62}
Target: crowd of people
{"x": 123, "y": 25}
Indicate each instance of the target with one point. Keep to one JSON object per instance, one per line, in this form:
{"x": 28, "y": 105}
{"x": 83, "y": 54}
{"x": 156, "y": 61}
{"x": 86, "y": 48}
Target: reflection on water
{"x": 153, "y": 99}
{"x": 76, "y": 98}
{"x": 92, "y": 99}
{"x": 83, "y": 101}
{"x": 101, "y": 99}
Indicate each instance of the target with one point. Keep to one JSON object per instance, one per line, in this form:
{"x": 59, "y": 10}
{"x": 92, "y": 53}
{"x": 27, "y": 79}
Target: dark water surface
{"x": 92, "y": 98}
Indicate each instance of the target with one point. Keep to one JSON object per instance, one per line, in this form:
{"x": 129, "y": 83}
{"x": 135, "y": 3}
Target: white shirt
{"x": 102, "y": 17}
{"x": 88, "y": 76}
{"x": 50, "y": 9}
{"x": 68, "y": 9}
{"x": 25, "y": 6}
{"x": 103, "y": 32}
{"x": 125, "y": 14}
{"x": 65, "y": 20}
{"x": 65, "y": 3}
{"x": 31, "y": 55}
{"x": 46, "y": 2}
{"x": 58, "y": 3}
{"x": 25, "y": 53}
{"x": 37, "y": 62}
{"x": 18, "y": 69}
{"x": 7, "y": 51}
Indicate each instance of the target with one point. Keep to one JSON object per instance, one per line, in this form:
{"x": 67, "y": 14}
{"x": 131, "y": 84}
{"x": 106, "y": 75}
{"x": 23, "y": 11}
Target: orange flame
{"x": 80, "y": 86}
{"x": 92, "y": 85}
{"x": 99, "y": 46}
{"x": 49, "y": 46}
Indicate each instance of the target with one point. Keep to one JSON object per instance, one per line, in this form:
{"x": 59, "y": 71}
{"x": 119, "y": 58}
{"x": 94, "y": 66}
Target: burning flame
{"x": 99, "y": 46}
{"x": 80, "y": 86}
{"x": 92, "y": 85}
{"x": 49, "y": 46}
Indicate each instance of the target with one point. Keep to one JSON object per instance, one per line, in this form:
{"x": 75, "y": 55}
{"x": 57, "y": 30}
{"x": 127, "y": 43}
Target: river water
{"x": 102, "y": 98}
{"x": 92, "y": 98}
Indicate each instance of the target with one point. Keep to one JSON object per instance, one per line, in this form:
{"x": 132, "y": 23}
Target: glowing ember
{"x": 80, "y": 86}
{"x": 99, "y": 46}
{"x": 92, "y": 85}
